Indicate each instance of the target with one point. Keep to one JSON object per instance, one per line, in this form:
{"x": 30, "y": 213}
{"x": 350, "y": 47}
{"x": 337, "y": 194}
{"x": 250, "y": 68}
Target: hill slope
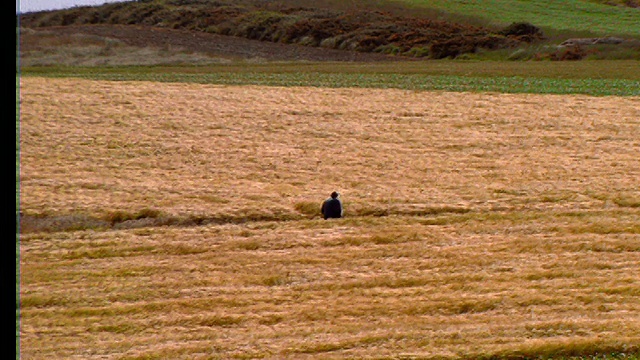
{"x": 329, "y": 28}
{"x": 88, "y": 45}
{"x": 598, "y": 18}
{"x": 208, "y": 31}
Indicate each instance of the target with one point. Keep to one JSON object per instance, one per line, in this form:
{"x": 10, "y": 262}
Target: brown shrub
{"x": 523, "y": 31}
{"x": 569, "y": 54}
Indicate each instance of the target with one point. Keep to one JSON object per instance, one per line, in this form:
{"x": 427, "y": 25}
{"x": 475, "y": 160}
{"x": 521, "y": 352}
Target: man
{"x": 332, "y": 207}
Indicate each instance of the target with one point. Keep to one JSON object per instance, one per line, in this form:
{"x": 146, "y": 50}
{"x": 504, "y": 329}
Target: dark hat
{"x": 335, "y": 194}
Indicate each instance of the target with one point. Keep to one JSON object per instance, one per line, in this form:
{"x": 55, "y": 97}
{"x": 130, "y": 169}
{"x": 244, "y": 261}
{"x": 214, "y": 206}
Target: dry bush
{"x": 571, "y": 53}
{"x": 524, "y": 31}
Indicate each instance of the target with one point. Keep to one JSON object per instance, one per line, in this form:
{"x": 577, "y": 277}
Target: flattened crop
{"x": 478, "y": 225}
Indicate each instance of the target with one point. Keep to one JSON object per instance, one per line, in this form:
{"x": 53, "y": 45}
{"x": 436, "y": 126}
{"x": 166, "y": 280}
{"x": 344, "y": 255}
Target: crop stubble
{"x": 99, "y": 146}
{"x": 544, "y": 257}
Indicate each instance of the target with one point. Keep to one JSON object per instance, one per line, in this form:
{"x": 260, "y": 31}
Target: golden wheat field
{"x": 476, "y": 224}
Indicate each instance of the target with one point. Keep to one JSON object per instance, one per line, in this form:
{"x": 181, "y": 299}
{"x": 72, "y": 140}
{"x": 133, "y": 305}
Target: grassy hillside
{"x": 410, "y": 28}
{"x": 559, "y": 15}
{"x": 438, "y": 29}
{"x": 354, "y": 30}
{"x": 595, "y": 17}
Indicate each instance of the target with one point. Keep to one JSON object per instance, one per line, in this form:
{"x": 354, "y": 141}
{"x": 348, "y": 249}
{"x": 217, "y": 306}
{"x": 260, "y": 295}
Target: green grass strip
{"x": 426, "y": 82}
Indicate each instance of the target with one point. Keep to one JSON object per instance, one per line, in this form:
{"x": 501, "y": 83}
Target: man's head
{"x": 335, "y": 194}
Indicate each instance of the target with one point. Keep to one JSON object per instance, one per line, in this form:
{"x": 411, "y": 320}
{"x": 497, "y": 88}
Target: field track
{"x": 477, "y": 224}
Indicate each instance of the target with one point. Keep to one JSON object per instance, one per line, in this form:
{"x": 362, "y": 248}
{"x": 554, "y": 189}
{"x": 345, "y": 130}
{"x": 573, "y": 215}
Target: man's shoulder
{"x": 334, "y": 202}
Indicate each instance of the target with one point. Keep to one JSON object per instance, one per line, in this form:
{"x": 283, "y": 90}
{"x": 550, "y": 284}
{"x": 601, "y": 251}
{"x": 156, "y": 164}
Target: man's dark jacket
{"x": 331, "y": 208}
